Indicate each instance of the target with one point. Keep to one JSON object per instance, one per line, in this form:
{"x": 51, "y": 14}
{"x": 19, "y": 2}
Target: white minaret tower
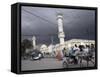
{"x": 61, "y": 34}
{"x": 34, "y": 42}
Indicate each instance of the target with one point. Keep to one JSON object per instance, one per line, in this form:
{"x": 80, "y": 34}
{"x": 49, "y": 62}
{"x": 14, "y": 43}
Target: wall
{"x": 5, "y": 42}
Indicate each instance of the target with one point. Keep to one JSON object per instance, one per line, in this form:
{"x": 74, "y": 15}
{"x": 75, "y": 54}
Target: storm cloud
{"x": 42, "y": 22}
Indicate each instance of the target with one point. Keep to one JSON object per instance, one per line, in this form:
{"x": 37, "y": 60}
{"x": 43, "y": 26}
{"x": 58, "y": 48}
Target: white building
{"x": 72, "y": 42}
{"x": 62, "y": 43}
{"x": 34, "y": 42}
{"x": 44, "y": 48}
{"x": 61, "y": 34}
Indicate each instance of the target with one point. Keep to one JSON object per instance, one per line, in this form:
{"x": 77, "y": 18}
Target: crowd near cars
{"x": 77, "y": 54}
{"x": 73, "y": 55}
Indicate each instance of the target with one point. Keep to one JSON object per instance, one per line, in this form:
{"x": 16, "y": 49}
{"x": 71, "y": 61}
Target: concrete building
{"x": 72, "y": 42}
{"x": 62, "y": 43}
{"x": 44, "y": 48}
{"x": 61, "y": 34}
{"x": 34, "y": 42}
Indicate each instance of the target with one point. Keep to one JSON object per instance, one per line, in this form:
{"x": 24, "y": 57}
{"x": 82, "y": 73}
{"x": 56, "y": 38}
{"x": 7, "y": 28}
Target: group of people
{"x": 83, "y": 50}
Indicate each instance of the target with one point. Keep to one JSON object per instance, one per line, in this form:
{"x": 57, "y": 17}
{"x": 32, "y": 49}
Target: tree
{"x": 24, "y": 45}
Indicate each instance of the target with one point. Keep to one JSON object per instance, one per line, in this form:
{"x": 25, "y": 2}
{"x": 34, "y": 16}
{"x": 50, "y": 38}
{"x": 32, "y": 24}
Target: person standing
{"x": 75, "y": 52}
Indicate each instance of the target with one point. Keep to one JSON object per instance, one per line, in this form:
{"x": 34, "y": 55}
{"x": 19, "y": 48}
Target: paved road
{"x": 46, "y": 63}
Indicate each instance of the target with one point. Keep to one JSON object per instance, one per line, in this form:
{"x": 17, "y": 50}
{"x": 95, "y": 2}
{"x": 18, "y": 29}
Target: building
{"x": 62, "y": 43}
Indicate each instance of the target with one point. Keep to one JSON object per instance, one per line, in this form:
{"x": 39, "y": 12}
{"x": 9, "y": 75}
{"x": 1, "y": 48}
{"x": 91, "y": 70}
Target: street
{"x": 46, "y": 63}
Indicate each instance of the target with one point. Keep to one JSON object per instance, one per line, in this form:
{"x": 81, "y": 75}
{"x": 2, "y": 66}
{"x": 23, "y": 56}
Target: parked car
{"x": 36, "y": 55}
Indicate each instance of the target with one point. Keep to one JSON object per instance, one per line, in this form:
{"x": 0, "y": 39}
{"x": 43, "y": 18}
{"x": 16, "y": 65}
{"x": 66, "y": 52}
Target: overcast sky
{"x": 42, "y": 22}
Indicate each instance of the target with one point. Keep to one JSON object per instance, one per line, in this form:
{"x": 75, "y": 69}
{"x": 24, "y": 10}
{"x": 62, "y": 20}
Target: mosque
{"x": 62, "y": 43}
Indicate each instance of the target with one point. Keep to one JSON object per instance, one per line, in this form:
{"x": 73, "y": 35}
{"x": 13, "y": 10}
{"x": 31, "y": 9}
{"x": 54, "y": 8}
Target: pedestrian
{"x": 75, "y": 52}
{"x": 64, "y": 52}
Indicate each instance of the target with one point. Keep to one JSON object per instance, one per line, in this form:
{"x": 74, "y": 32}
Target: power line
{"x": 39, "y": 35}
{"x": 50, "y": 34}
{"x": 38, "y": 16}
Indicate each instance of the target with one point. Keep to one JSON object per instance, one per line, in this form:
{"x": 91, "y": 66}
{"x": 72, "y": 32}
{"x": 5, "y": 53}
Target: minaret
{"x": 34, "y": 42}
{"x": 61, "y": 34}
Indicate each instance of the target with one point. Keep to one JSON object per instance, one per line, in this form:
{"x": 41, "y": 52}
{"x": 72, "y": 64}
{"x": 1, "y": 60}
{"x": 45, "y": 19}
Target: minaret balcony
{"x": 61, "y": 35}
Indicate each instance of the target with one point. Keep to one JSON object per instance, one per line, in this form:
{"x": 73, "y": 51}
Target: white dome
{"x": 44, "y": 48}
{"x": 50, "y": 48}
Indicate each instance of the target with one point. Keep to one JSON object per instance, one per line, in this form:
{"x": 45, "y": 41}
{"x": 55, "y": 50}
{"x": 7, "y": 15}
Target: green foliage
{"x": 26, "y": 44}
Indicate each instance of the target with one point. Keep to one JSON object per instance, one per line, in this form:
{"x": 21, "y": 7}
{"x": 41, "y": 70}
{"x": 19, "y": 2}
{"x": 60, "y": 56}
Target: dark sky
{"x": 42, "y": 22}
